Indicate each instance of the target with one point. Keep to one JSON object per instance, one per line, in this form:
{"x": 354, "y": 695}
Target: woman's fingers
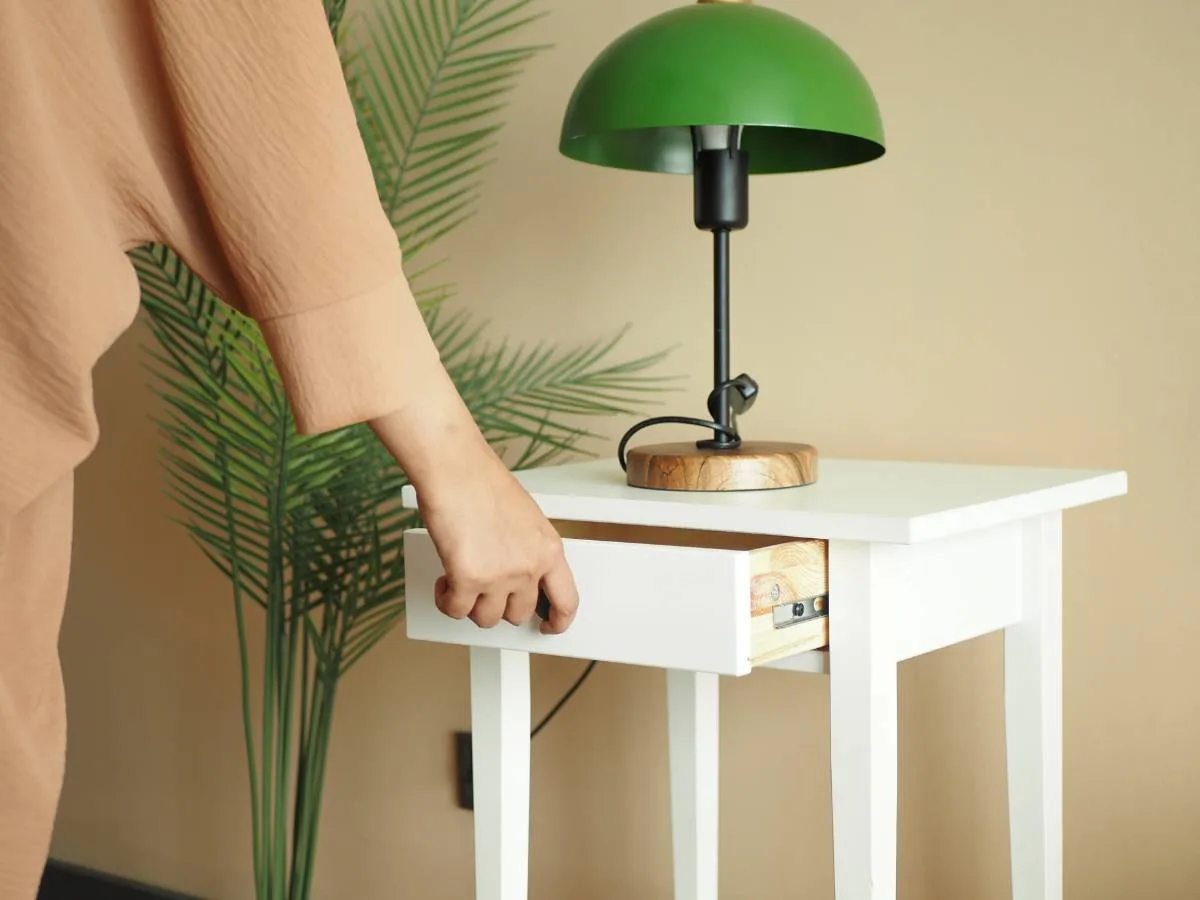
{"x": 451, "y": 599}
{"x": 516, "y": 606}
{"x": 521, "y": 604}
{"x": 489, "y": 609}
{"x": 564, "y": 598}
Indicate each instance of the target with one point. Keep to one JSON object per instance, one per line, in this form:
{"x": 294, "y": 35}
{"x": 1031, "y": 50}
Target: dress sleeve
{"x": 273, "y": 147}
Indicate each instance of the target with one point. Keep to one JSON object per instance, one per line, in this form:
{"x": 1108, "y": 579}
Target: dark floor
{"x": 66, "y": 882}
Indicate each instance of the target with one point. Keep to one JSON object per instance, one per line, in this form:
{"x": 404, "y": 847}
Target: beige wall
{"x": 1015, "y": 282}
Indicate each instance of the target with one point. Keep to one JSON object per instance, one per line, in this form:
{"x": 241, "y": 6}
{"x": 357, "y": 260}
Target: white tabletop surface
{"x": 862, "y": 500}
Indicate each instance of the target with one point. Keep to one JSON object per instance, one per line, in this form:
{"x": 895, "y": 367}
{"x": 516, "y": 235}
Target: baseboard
{"x": 64, "y": 881}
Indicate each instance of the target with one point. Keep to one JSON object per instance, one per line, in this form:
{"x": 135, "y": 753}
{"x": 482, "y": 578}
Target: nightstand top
{"x": 853, "y": 499}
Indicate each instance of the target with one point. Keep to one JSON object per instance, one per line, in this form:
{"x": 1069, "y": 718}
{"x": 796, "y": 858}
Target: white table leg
{"x": 1033, "y": 711}
{"x": 863, "y": 730}
{"x": 693, "y": 736}
{"x": 500, "y": 722}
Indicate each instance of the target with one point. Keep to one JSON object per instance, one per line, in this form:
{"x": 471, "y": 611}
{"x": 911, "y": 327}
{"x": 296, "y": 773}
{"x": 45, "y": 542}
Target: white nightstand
{"x": 919, "y": 556}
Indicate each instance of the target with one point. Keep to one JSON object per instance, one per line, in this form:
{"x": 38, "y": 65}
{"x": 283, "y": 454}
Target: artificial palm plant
{"x": 308, "y": 528}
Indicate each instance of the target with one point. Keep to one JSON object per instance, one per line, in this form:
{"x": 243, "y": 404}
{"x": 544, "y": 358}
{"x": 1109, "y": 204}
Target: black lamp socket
{"x": 721, "y": 180}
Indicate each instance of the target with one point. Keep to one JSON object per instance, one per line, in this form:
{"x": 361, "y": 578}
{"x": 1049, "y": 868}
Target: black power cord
{"x": 563, "y": 700}
{"x": 543, "y": 612}
{"x": 463, "y": 745}
{"x": 727, "y": 401}
{"x": 729, "y": 434}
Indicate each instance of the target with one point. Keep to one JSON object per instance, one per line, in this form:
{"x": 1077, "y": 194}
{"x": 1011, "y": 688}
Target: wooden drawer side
{"x": 787, "y": 581}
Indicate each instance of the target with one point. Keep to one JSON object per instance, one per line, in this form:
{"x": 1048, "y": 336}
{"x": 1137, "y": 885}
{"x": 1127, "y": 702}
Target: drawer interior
{"x": 789, "y": 579}
{"x": 671, "y": 537}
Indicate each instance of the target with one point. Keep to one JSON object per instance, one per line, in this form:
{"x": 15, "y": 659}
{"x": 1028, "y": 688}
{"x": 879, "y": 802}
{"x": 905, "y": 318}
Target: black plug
{"x": 463, "y": 770}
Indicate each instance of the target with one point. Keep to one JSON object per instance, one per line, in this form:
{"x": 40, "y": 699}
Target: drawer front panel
{"x": 641, "y": 604}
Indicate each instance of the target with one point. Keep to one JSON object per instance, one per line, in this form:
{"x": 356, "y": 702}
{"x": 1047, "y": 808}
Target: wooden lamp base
{"x": 754, "y": 466}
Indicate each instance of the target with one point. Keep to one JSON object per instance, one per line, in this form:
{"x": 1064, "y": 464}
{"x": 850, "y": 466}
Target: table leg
{"x": 692, "y": 729}
{"x": 863, "y": 731}
{"x": 500, "y": 722}
{"x": 1033, "y": 712}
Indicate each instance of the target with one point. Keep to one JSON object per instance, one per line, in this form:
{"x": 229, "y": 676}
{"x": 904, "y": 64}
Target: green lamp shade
{"x": 801, "y": 100}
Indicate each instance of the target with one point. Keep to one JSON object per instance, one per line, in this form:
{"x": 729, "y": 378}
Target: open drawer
{"x": 695, "y": 600}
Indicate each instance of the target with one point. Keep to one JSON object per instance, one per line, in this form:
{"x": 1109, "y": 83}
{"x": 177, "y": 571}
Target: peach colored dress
{"x": 224, "y": 129}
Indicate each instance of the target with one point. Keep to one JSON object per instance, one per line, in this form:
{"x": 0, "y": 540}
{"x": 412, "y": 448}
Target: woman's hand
{"x": 496, "y": 546}
{"x": 497, "y": 549}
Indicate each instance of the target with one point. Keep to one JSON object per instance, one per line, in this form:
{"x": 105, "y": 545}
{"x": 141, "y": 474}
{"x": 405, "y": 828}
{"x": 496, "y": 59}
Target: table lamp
{"x": 721, "y": 90}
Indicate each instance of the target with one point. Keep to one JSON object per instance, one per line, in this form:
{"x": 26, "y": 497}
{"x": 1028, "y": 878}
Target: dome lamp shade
{"x": 800, "y": 100}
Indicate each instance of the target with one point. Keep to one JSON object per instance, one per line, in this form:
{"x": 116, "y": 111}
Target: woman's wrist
{"x": 433, "y": 438}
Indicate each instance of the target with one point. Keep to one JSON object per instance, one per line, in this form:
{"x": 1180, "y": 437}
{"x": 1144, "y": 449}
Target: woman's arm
{"x": 273, "y": 146}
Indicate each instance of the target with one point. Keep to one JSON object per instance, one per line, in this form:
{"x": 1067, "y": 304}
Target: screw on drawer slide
{"x": 790, "y": 584}
{"x": 792, "y": 613}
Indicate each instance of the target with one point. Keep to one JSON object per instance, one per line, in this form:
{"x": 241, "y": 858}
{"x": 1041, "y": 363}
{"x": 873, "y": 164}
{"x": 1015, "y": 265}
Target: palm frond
{"x": 335, "y": 11}
{"x": 536, "y": 393}
{"x": 434, "y": 77}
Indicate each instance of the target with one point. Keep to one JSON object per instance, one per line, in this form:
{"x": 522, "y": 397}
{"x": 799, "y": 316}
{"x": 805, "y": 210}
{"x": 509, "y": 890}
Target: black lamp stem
{"x": 721, "y": 326}
{"x": 721, "y": 188}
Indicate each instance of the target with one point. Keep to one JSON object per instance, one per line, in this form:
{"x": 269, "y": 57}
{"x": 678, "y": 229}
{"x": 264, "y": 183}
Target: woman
{"x": 224, "y": 130}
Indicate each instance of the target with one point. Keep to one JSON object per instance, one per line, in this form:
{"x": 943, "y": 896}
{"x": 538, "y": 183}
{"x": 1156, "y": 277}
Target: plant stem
{"x": 334, "y": 627}
{"x": 268, "y": 731}
{"x": 278, "y": 665}
{"x": 244, "y": 653}
{"x": 303, "y": 760}
{"x": 313, "y": 807}
{"x": 287, "y": 639}
{"x": 305, "y": 813}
